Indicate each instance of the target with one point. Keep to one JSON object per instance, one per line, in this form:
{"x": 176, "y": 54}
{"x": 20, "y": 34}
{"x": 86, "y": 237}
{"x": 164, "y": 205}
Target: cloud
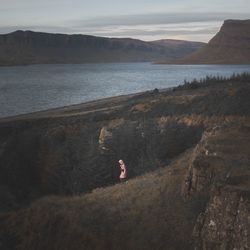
{"x": 191, "y": 26}
{"x": 151, "y": 26}
{"x": 157, "y": 18}
{"x": 144, "y": 32}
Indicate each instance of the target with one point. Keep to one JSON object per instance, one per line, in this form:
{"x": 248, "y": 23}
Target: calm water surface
{"x": 25, "y": 89}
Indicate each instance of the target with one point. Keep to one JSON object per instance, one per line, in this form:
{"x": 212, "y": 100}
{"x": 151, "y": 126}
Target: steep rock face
{"x": 231, "y": 45}
{"x": 216, "y": 160}
{"x": 233, "y": 34}
{"x": 225, "y": 223}
{"x": 220, "y": 170}
{"x": 27, "y": 47}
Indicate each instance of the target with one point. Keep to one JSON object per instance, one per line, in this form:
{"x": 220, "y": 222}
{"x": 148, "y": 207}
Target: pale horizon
{"x": 146, "y": 20}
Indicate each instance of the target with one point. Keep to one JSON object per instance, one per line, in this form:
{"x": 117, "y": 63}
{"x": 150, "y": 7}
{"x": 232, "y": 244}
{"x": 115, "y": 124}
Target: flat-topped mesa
{"x": 231, "y": 45}
{"x": 234, "y": 34}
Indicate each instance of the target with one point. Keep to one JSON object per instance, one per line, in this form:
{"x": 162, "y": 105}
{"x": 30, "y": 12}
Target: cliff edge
{"x": 231, "y": 45}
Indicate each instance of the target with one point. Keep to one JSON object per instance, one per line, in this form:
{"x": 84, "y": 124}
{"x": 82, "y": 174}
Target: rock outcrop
{"x": 220, "y": 170}
{"x": 216, "y": 159}
{"x": 225, "y": 222}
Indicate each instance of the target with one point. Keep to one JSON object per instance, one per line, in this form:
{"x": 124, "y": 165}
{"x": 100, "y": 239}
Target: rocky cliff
{"x": 187, "y": 153}
{"x": 231, "y": 45}
{"x": 27, "y": 47}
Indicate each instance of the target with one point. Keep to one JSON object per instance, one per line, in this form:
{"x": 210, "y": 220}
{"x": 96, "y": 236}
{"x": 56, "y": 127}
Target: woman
{"x": 123, "y": 174}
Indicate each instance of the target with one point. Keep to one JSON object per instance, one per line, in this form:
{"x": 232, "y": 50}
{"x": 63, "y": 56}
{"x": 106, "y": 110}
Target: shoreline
{"x": 80, "y": 108}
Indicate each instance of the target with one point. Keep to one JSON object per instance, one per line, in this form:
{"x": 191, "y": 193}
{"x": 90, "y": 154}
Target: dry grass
{"x": 144, "y": 213}
{"x": 141, "y": 107}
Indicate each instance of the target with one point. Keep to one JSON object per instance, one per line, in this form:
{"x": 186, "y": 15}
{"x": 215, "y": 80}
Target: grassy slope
{"x": 144, "y": 213}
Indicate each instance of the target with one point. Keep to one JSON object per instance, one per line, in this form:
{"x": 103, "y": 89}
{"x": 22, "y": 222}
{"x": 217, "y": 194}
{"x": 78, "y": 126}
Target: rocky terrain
{"x": 27, "y": 47}
{"x": 187, "y": 150}
{"x": 231, "y": 45}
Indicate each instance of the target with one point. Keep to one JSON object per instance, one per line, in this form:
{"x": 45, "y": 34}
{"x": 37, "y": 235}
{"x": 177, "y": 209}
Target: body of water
{"x": 25, "y": 89}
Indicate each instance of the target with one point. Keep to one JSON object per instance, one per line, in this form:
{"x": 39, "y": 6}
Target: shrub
{"x": 208, "y": 80}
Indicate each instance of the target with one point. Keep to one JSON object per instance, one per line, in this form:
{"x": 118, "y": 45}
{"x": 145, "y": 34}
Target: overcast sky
{"x": 197, "y": 20}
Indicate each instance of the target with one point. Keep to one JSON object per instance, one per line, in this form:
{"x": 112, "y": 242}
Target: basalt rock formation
{"x": 27, "y": 47}
{"x": 187, "y": 152}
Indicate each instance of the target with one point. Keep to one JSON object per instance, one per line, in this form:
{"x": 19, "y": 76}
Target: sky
{"x": 194, "y": 20}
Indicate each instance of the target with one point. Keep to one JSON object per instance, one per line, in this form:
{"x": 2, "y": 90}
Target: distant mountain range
{"x": 28, "y": 47}
{"x": 231, "y": 45}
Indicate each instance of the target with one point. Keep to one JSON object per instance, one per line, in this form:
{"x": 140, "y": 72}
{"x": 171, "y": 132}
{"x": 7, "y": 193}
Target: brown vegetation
{"x": 145, "y": 213}
{"x": 188, "y": 162}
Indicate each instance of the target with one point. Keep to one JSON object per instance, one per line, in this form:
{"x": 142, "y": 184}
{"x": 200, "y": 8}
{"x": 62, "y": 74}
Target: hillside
{"x": 27, "y": 47}
{"x": 187, "y": 152}
{"x": 231, "y": 45}
{"x": 181, "y": 47}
